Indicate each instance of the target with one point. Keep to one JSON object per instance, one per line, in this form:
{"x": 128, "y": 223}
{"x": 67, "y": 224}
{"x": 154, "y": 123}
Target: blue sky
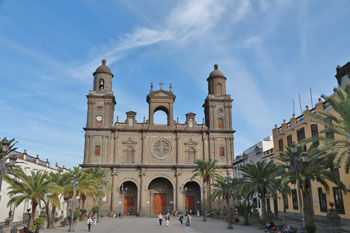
{"x": 270, "y": 51}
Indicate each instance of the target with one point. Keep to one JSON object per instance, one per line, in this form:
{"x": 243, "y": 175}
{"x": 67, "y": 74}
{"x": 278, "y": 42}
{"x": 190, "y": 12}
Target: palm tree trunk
{"x": 32, "y": 216}
{"x": 309, "y": 218}
{"x": 263, "y": 209}
{"x": 52, "y": 217}
{"x": 47, "y": 214}
{"x": 208, "y": 196}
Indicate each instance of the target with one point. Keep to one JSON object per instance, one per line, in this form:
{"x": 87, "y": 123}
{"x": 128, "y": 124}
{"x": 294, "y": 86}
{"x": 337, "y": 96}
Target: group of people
{"x": 272, "y": 227}
{"x": 91, "y": 219}
{"x": 181, "y": 219}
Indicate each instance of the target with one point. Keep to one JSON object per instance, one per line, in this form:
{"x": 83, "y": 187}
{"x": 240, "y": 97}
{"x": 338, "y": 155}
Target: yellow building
{"x": 299, "y": 128}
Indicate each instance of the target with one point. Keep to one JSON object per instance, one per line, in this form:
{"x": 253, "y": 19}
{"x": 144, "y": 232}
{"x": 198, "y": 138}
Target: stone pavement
{"x": 150, "y": 225}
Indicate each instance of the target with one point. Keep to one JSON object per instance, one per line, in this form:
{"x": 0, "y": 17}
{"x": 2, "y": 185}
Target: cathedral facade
{"x": 150, "y": 166}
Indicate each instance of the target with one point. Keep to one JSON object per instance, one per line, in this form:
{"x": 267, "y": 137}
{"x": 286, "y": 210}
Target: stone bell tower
{"x": 217, "y": 105}
{"x": 101, "y": 100}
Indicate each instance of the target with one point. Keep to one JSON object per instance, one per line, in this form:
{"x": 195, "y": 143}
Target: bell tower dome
{"x": 216, "y": 82}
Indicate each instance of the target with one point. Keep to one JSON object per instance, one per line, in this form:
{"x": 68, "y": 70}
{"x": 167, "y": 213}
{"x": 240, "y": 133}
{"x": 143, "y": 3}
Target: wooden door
{"x": 189, "y": 203}
{"x": 159, "y": 203}
{"x": 128, "y": 205}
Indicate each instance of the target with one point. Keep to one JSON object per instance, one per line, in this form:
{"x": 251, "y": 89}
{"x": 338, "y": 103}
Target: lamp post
{"x": 296, "y": 166}
{"x": 99, "y": 202}
{"x": 4, "y": 168}
{"x": 204, "y": 189}
{"x": 74, "y": 183}
{"x": 184, "y": 191}
{"x": 227, "y": 182}
{"x": 123, "y": 190}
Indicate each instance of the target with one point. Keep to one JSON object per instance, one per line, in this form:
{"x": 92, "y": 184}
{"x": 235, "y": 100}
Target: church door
{"x": 159, "y": 203}
{"x": 128, "y": 205}
{"x": 189, "y": 203}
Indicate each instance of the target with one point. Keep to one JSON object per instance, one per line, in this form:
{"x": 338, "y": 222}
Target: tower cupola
{"x": 216, "y": 82}
{"x": 103, "y": 78}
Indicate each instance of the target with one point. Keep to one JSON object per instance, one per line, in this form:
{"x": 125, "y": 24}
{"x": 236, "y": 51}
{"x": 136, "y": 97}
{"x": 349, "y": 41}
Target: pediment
{"x": 129, "y": 142}
{"x": 191, "y": 143}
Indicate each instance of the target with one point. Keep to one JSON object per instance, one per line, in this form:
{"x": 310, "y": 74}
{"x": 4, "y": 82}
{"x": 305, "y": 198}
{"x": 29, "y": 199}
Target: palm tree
{"x": 316, "y": 168}
{"x": 100, "y": 176}
{"x": 206, "y": 170}
{"x": 223, "y": 188}
{"x": 33, "y": 187}
{"x": 261, "y": 178}
{"x": 57, "y": 179}
{"x": 338, "y": 123}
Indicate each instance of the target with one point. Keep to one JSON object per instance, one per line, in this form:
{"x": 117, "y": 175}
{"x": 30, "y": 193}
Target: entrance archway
{"x": 161, "y": 196}
{"x": 192, "y": 197}
{"x": 129, "y": 197}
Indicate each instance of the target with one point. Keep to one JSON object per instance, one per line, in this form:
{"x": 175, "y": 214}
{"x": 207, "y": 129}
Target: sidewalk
{"x": 151, "y": 225}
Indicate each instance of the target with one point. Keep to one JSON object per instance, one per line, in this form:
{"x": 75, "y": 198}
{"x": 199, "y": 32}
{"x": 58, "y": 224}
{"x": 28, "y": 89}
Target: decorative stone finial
{"x": 151, "y": 86}
{"x": 161, "y": 85}
{"x": 275, "y": 126}
{"x": 216, "y": 67}
{"x": 37, "y": 156}
{"x": 117, "y": 118}
{"x": 307, "y": 107}
{"x": 319, "y": 100}
{"x": 293, "y": 115}
{"x": 171, "y": 87}
{"x": 104, "y": 62}
{"x": 284, "y": 120}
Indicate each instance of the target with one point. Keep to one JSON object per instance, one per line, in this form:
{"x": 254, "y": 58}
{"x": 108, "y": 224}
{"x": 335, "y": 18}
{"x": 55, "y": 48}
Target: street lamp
{"x": 227, "y": 182}
{"x": 204, "y": 189}
{"x": 74, "y": 183}
{"x": 5, "y": 168}
{"x": 184, "y": 191}
{"x": 296, "y": 166}
{"x": 123, "y": 190}
{"x": 99, "y": 202}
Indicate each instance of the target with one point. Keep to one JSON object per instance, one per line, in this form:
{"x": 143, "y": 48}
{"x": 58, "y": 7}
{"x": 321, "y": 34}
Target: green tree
{"x": 338, "y": 123}
{"x": 207, "y": 171}
{"x": 261, "y": 178}
{"x": 58, "y": 189}
{"x": 316, "y": 168}
{"x": 33, "y": 187}
{"x": 100, "y": 176}
{"x": 3, "y": 156}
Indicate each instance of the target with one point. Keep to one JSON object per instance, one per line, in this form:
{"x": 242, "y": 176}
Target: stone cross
{"x": 161, "y": 85}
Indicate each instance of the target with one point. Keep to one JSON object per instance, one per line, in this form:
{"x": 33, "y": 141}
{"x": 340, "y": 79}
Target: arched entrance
{"x": 161, "y": 196}
{"x": 128, "y": 191}
{"x": 192, "y": 197}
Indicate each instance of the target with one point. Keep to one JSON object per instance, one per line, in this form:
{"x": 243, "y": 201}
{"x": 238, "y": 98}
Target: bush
{"x": 37, "y": 223}
{"x": 76, "y": 214}
{"x": 57, "y": 219}
{"x": 83, "y": 212}
{"x": 95, "y": 209}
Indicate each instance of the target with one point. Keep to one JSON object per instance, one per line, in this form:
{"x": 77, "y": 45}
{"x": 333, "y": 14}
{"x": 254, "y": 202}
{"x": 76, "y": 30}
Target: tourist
{"x": 26, "y": 229}
{"x": 89, "y": 222}
{"x": 167, "y": 219}
{"x": 189, "y": 219}
{"x": 285, "y": 229}
{"x": 95, "y": 218}
{"x": 160, "y": 218}
{"x": 181, "y": 218}
{"x": 235, "y": 219}
{"x": 270, "y": 226}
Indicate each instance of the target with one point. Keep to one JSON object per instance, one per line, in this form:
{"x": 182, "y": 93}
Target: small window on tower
{"x": 220, "y": 123}
{"x": 97, "y": 150}
{"x": 101, "y": 84}
{"x": 222, "y": 151}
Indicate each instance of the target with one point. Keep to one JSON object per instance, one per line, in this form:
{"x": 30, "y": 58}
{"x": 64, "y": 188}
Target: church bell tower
{"x": 101, "y": 100}
{"x": 217, "y": 105}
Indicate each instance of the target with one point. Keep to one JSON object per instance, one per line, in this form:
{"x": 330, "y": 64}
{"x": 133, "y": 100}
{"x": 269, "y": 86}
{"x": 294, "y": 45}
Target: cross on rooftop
{"x": 161, "y": 85}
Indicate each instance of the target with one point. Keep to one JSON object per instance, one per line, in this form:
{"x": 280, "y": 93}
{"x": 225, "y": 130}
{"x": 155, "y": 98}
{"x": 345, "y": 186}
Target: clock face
{"x": 161, "y": 149}
{"x": 99, "y": 118}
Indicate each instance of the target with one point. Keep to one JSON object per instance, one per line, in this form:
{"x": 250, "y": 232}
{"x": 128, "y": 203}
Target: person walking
{"x": 95, "y": 218}
{"x": 89, "y": 222}
{"x": 181, "y": 218}
{"x": 189, "y": 219}
{"x": 167, "y": 219}
{"x": 160, "y": 218}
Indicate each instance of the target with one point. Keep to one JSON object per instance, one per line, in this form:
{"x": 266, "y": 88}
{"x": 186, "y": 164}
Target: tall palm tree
{"x": 338, "y": 123}
{"x": 316, "y": 168}
{"x": 100, "y": 176}
{"x": 59, "y": 182}
{"x": 33, "y": 187}
{"x": 206, "y": 170}
{"x": 261, "y": 178}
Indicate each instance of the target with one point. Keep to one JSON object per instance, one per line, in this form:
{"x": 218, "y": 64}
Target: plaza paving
{"x": 150, "y": 225}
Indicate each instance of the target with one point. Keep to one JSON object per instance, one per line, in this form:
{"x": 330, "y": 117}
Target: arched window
{"x": 97, "y": 150}
{"x": 191, "y": 156}
{"x": 129, "y": 155}
{"x": 101, "y": 85}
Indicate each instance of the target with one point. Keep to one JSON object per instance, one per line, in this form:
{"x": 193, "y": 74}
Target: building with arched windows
{"x": 150, "y": 165}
